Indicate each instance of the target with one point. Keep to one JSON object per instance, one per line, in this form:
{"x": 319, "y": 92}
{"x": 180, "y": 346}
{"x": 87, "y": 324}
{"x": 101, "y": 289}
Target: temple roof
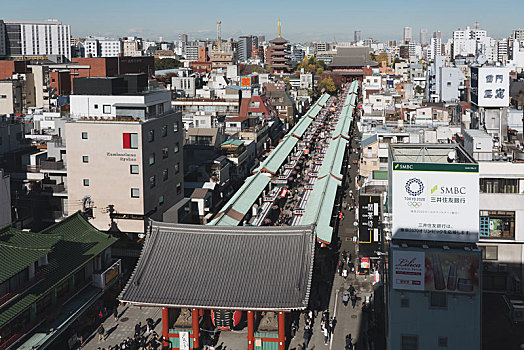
{"x": 279, "y": 40}
{"x": 228, "y": 267}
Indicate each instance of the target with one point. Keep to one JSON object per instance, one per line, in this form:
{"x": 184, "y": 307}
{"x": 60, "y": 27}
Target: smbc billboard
{"x": 437, "y": 202}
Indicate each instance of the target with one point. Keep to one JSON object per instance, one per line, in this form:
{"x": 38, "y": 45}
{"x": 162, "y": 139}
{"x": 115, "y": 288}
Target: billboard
{"x": 437, "y": 202}
{"x": 368, "y": 218}
{"x": 436, "y": 271}
{"x": 408, "y": 270}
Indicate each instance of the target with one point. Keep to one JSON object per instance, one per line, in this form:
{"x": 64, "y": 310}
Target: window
{"x": 443, "y": 342}
{"x": 130, "y": 140}
{"x": 404, "y": 302}
{"x": 497, "y": 224}
{"x": 160, "y": 200}
{"x": 164, "y": 131}
{"x": 84, "y": 135}
{"x": 409, "y": 342}
{"x": 85, "y": 159}
{"x": 151, "y": 136}
{"x": 175, "y": 127}
{"x": 178, "y": 188}
{"x": 135, "y": 193}
{"x": 488, "y": 93}
{"x": 490, "y": 252}
{"x": 254, "y": 105}
{"x": 86, "y": 182}
{"x": 152, "y": 159}
{"x": 107, "y": 109}
{"x": 165, "y": 174}
{"x": 438, "y": 299}
{"x": 133, "y": 169}
{"x": 449, "y": 83}
{"x": 165, "y": 152}
{"x": 177, "y": 168}
{"x": 494, "y": 185}
{"x": 96, "y": 106}
{"x": 177, "y": 147}
{"x": 152, "y": 181}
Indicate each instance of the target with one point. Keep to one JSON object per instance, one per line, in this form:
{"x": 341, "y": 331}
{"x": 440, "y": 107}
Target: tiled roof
{"x": 80, "y": 243}
{"x": 238, "y": 268}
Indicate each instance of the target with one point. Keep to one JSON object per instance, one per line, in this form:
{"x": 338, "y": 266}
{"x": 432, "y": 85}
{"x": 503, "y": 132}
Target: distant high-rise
{"x": 408, "y": 34}
{"x": 3, "y": 44}
{"x": 357, "y": 36}
{"x": 245, "y": 47}
{"x": 182, "y": 38}
{"x": 38, "y": 38}
{"x": 261, "y": 39}
{"x": 518, "y": 34}
{"x": 423, "y": 36}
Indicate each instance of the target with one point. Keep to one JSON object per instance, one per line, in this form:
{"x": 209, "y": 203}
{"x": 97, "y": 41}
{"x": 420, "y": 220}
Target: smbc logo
{"x": 414, "y": 187}
{"x": 448, "y": 190}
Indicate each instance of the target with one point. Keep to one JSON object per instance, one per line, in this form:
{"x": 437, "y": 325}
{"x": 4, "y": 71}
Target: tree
{"x": 395, "y": 61}
{"x": 328, "y": 84}
{"x": 167, "y": 63}
{"x": 372, "y": 56}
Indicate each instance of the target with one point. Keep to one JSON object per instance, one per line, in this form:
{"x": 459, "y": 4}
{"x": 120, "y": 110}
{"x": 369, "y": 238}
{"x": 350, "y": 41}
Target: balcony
{"x": 51, "y": 164}
{"x": 52, "y": 186}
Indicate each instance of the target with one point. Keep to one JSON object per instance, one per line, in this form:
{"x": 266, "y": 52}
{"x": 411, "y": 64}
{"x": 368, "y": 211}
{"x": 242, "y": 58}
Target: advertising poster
{"x": 438, "y": 202}
{"x": 452, "y": 273}
{"x": 408, "y": 270}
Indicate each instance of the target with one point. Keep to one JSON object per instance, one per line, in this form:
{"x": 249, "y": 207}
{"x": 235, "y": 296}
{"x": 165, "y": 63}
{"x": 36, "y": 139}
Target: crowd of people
{"x": 145, "y": 338}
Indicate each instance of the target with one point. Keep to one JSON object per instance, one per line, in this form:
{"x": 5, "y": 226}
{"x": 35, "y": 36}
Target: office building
{"x": 434, "y": 278}
{"x": 124, "y": 152}
{"x": 356, "y": 36}
{"x": 245, "y": 48}
{"x": 3, "y": 40}
{"x": 408, "y": 34}
{"x": 423, "y": 36}
{"x": 38, "y": 38}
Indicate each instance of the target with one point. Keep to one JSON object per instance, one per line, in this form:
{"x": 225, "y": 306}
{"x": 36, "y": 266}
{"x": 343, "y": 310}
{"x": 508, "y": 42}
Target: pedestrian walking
{"x": 150, "y": 324}
{"x": 345, "y": 273}
{"x": 115, "y": 314}
{"x": 326, "y": 335}
{"x": 307, "y": 338}
{"x": 101, "y": 332}
{"x": 345, "y": 299}
{"x": 332, "y": 325}
{"x": 138, "y": 328}
{"x": 353, "y": 300}
{"x": 349, "y": 342}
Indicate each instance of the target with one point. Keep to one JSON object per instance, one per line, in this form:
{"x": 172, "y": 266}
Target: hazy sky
{"x": 304, "y": 20}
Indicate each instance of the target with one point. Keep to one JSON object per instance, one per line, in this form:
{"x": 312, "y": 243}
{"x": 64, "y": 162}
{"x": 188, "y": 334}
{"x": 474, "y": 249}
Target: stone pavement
{"x": 116, "y": 331}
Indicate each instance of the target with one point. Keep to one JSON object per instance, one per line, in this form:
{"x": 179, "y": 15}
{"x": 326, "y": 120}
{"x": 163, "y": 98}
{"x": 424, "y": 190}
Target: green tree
{"x": 167, "y": 63}
{"x": 328, "y": 84}
{"x": 396, "y": 60}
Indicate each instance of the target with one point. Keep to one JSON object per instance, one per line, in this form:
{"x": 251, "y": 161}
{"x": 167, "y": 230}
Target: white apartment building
{"x": 435, "y": 48}
{"x": 465, "y": 41}
{"x": 102, "y": 47}
{"x": 502, "y": 225}
{"x": 124, "y": 159}
{"x": 132, "y": 47}
{"x": 38, "y": 38}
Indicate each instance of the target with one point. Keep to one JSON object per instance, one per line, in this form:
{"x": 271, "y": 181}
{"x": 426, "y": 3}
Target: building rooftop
{"x": 430, "y": 153}
{"x": 231, "y": 268}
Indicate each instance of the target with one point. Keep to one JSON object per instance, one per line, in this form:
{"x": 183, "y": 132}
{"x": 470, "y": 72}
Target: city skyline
{"x": 168, "y": 19}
